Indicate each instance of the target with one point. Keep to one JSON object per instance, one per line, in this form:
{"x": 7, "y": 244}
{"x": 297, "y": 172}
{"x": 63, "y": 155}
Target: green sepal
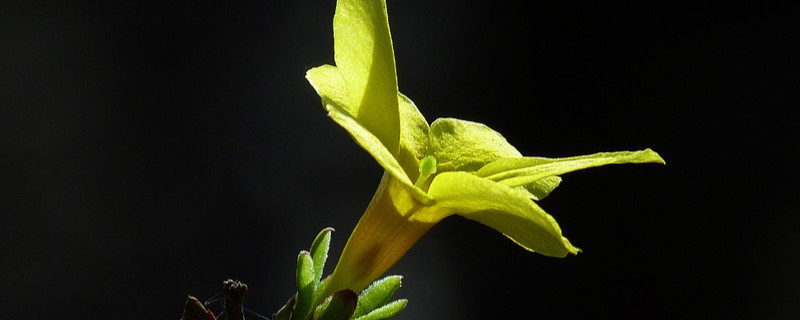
{"x": 387, "y": 311}
{"x": 339, "y": 306}
{"x": 305, "y": 285}
{"x": 377, "y": 294}
{"x": 319, "y": 252}
{"x": 461, "y": 145}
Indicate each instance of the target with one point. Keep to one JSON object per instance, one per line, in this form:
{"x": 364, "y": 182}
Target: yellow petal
{"x": 523, "y": 171}
{"x": 365, "y": 59}
{"x": 413, "y": 127}
{"x": 466, "y": 146}
{"x": 373, "y": 145}
{"x": 541, "y": 188}
{"x": 413, "y": 136}
{"x": 500, "y": 207}
{"x": 330, "y": 86}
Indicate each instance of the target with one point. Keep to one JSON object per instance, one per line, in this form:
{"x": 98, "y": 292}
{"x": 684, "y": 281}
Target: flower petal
{"x": 365, "y": 59}
{"x": 523, "y": 171}
{"x": 330, "y": 86}
{"x": 413, "y": 136}
{"x": 502, "y": 208}
{"x": 373, "y": 145}
{"x": 413, "y": 127}
{"x": 328, "y": 83}
{"x": 541, "y": 188}
{"x": 466, "y": 146}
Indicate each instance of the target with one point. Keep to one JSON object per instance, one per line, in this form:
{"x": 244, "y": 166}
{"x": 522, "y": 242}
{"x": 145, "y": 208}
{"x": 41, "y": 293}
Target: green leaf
{"x": 461, "y": 145}
{"x": 523, "y": 171}
{"x": 385, "y": 312}
{"x": 285, "y": 313}
{"x": 370, "y": 142}
{"x": 365, "y": 59}
{"x": 339, "y": 306}
{"x": 377, "y": 294}
{"x": 319, "y": 251}
{"x": 505, "y": 209}
{"x": 305, "y": 285}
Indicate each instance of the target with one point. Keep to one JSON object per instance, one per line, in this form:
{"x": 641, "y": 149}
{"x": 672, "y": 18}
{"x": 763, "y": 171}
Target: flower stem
{"x": 383, "y": 235}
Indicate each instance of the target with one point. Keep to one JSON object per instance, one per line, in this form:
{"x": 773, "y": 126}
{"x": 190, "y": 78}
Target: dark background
{"x": 150, "y": 150}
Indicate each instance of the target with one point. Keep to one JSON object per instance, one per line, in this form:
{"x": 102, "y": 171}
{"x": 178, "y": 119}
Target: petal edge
{"x": 500, "y": 207}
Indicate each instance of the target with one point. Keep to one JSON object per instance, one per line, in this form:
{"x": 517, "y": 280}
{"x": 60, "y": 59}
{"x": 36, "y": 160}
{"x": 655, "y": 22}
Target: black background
{"x": 150, "y": 150}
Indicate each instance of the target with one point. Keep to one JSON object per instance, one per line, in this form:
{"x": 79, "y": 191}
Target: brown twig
{"x": 234, "y": 299}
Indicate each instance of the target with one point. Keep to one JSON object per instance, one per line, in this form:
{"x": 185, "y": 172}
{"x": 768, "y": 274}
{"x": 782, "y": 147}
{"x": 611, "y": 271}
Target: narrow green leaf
{"x": 461, "y": 145}
{"x": 377, "y": 294}
{"x": 385, "y": 312}
{"x": 319, "y": 252}
{"x": 339, "y": 306}
{"x": 305, "y": 285}
{"x": 285, "y": 313}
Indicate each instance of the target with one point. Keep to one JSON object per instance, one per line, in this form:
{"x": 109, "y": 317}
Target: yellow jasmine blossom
{"x": 432, "y": 171}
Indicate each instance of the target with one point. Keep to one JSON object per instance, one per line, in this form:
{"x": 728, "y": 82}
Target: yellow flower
{"x": 458, "y": 167}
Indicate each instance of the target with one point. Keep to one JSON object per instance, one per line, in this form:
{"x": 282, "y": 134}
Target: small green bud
{"x": 427, "y": 167}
